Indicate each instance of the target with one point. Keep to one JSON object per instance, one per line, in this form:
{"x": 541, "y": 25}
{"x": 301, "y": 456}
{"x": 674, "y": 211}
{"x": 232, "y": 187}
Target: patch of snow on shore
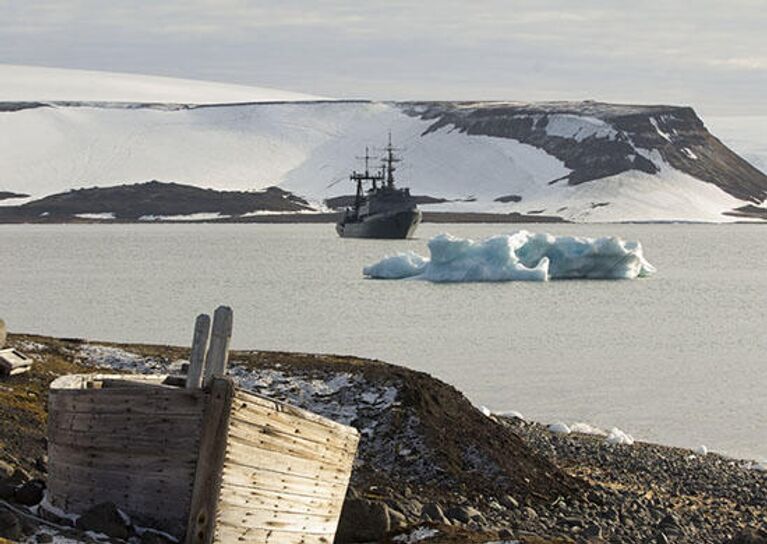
{"x": 202, "y": 216}
{"x": 585, "y": 428}
{"x": 97, "y": 216}
{"x": 522, "y": 256}
{"x": 339, "y": 397}
{"x": 119, "y": 359}
{"x": 416, "y": 535}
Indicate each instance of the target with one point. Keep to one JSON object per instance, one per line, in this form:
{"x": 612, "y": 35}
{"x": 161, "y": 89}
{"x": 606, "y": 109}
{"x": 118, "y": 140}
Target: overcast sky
{"x": 709, "y": 54}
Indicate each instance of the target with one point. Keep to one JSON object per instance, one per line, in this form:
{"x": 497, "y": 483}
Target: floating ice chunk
{"x": 559, "y": 428}
{"x": 701, "y": 450}
{"x": 517, "y": 257}
{"x": 617, "y": 436}
{"x": 394, "y": 267}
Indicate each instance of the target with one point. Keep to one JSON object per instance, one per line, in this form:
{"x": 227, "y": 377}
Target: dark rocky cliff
{"x": 623, "y": 138}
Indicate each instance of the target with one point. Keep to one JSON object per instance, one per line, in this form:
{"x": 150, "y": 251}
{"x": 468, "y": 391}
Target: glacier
{"x": 521, "y": 256}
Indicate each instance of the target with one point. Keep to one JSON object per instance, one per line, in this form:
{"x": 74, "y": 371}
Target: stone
{"x": 510, "y": 502}
{"x": 152, "y": 537}
{"x": 433, "y": 512}
{"x": 464, "y": 514}
{"x": 30, "y": 493}
{"x": 104, "y": 518}
{"x": 10, "y": 526}
{"x": 670, "y": 526}
{"x": 529, "y": 513}
{"x": 505, "y": 534}
{"x": 750, "y": 536}
{"x": 6, "y": 470}
{"x": 43, "y": 538}
{"x": 592, "y": 532}
{"x": 363, "y": 520}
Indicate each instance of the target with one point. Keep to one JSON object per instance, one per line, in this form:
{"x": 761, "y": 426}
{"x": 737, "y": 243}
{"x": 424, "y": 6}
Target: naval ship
{"x": 381, "y": 210}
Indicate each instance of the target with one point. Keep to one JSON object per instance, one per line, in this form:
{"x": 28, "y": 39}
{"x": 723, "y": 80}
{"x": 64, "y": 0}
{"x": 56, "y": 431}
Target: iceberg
{"x": 521, "y": 256}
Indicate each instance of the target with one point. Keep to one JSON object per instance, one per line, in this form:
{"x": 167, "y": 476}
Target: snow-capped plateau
{"x": 39, "y": 84}
{"x": 580, "y": 161}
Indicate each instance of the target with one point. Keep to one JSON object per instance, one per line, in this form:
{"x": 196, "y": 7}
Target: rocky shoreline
{"x": 430, "y": 468}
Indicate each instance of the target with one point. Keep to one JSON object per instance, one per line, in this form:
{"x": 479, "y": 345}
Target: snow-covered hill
{"x": 34, "y": 83}
{"x": 583, "y": 161}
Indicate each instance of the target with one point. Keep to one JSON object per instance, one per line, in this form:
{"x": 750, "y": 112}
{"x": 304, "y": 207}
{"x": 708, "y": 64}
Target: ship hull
{"x": 392, "y": 225}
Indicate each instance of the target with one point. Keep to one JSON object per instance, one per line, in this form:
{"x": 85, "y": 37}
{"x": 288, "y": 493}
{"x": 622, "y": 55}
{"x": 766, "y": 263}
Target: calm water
{"x": 678, "y": 358}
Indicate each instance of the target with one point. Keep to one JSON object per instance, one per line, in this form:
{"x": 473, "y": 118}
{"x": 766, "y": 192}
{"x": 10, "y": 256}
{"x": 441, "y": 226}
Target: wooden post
{"x": 218, "y": 352}
{"x": 210, "y": 462}
{"x": 3, "y": 333}
{"x": 199, "y": 350}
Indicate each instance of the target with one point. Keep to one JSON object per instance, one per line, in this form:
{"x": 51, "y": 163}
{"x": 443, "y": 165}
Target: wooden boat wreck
{"x": 199, "y": 459}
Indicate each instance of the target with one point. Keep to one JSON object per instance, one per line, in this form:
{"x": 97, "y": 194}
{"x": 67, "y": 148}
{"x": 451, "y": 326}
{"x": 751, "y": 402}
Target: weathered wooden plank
{"x": 138, "y": 423}
{"x": 199, "y": 351}
{"x": 295, "y": 425}
{"x": 246, "y": 478}
{"x": 269, "y": 499}
{"x": 212, "y": 450}
{"x": 252, "y": 400}
{"x": 73, "y": 461}
{"x": 3, "y": 333}
{"x": 161, "y": 401}
{"x": 126, "y": 443}
{"x": 259, "y": 459}
{"x": 251, "y": 435}
{"x": 270, "y": 519}
{"x": 228, "y": 532}
{"x": 251, "y": 474}
{"x": 220, "y": 337}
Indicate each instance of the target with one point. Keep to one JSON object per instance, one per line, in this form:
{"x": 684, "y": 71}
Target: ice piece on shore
{"x": 512, "y": 414}
{"x": 521, "y": 256}
{"x": 701, "y": 450}
{"x": 486, "y": 411}
{"x": 559, "y": 428}
{"x": 585, "y": 428}
{"x": 617, "y": 436}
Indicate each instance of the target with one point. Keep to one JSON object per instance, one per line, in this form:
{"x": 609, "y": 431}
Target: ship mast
{"x": 389, "y": 161}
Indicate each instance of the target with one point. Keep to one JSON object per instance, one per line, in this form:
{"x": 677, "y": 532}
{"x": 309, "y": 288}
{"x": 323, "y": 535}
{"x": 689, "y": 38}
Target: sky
{"x": 711, "y": 55}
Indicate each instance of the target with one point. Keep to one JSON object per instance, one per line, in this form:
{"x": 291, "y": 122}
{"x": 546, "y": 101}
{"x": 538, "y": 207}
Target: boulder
{"x": 105, "y": 518}
{"x": 10, "y": 526}
{"x": 363, "y": 520}
{"x": 30, "y": 493}
{"x": 464, "y": 514}
{"x": 750, "y": 536}
{"x": 433, "y": 512}
{"x": 6, "y": 470}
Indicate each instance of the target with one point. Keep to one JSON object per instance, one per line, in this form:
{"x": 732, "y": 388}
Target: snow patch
{"x": 579, "y": 127}
{"x": 664, "y": 135}
{"x": 687, "y": 151}
{"x": 416, "y": 535}
{"x": 522, "y": 256}
{"x": 202, "y": 216}
{"x": 96, "y": 216}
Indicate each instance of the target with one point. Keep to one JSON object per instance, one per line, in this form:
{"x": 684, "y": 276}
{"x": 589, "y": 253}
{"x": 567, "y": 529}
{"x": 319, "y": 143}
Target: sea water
{"x": 679, "y": 357}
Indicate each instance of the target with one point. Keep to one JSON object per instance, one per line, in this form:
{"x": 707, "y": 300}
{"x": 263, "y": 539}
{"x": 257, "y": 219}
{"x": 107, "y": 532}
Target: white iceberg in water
{"x": 522, "y": 256}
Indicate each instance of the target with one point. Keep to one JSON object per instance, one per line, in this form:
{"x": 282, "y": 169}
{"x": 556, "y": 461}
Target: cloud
{"x": 701, "y": 54}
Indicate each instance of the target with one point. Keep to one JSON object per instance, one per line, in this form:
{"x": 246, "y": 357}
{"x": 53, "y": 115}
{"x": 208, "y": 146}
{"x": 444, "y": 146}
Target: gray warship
{"x": 382, "y": 210}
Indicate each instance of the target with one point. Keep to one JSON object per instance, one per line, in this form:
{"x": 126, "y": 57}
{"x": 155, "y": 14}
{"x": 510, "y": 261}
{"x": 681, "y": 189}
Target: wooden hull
{"x": 204, "y": 465}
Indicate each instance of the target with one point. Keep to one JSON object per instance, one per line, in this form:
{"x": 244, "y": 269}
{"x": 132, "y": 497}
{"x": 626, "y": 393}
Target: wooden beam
{"x": 207, "y": 482}
{"x": 3, "y": 333}
{"x": 199, "y": 351}
{"x": 218, "y": 352}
